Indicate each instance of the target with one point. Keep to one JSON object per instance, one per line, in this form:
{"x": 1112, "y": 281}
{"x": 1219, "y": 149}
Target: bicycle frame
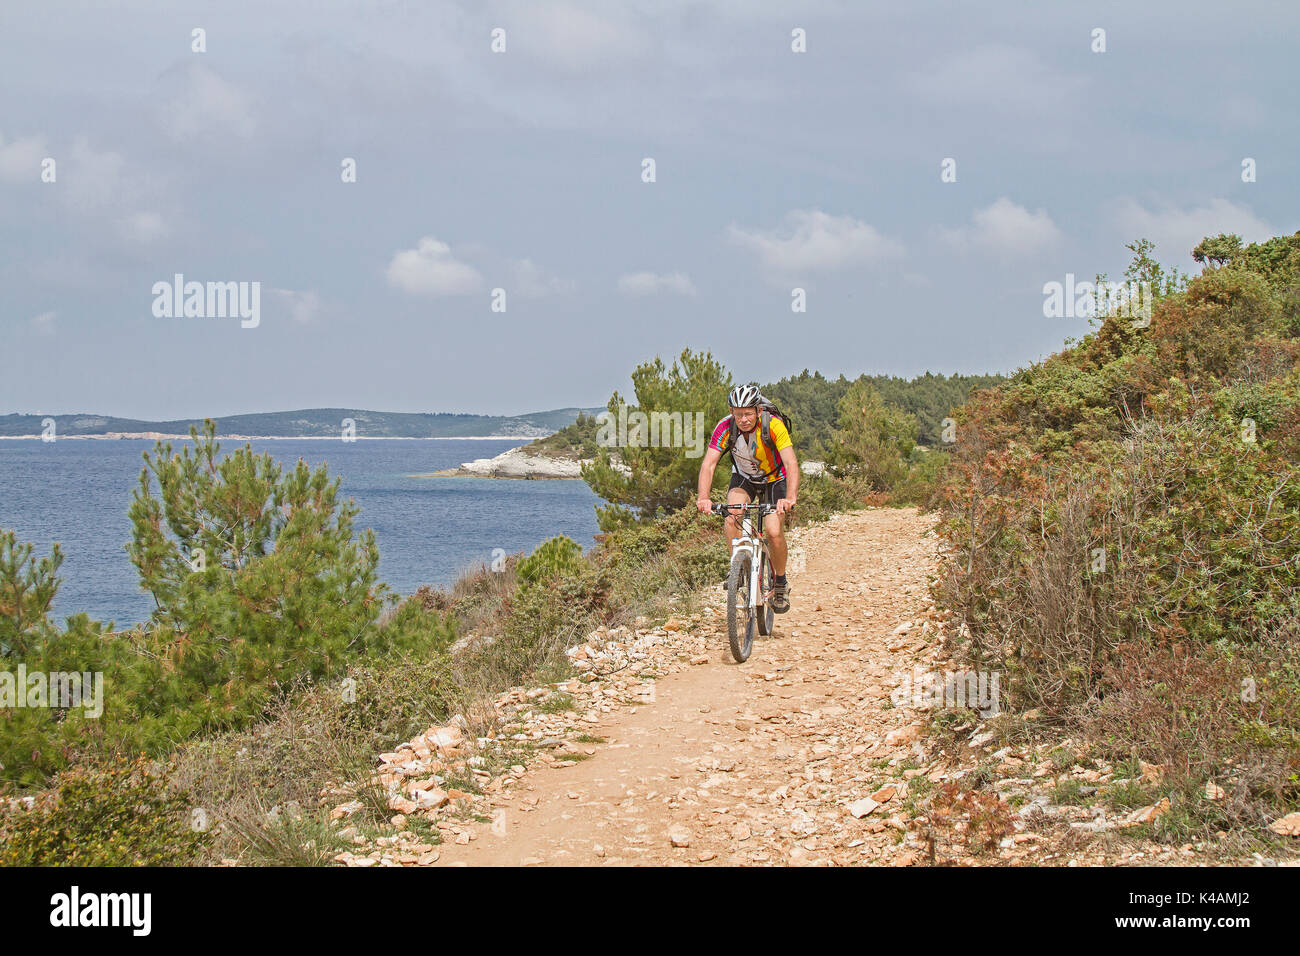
{"x": 755, "y": 545}
{"x": 743, "y": 620}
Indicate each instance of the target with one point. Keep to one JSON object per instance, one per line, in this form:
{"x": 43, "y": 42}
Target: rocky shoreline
{"x": 518, "y": 463}
{"x": 515, "y": 463}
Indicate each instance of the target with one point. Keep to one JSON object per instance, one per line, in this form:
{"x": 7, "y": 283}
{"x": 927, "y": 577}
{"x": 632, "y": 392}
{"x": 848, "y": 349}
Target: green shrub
{"x": 555, "y": 557}
{"x": 27, "y": 589}
{"x": 282, "y": 588}
{"x": 546, "y": 617}
{"x": 633, "y": 545}
{"x": 872, "y": 441}
{"x": 575, "y": 440}
{"x": 821, "y": 496}
{"x": 414, "y": 629}
{"x": 284, "y": 592}
{"x": 662, "y": 474}
{"x": 924, "y": 478}
{"x": 1122, "y": 546}
{"x": 701, "y": 563}
{"x": 118, "y": 814}
{"x": 318, "y": 737}
{"x": 287, "y": 836}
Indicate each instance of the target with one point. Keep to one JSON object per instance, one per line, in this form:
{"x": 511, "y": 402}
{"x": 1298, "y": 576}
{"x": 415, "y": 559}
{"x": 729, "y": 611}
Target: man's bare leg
{"x": 731, "y": 527}
{"x": 775, "y": 543}
{"x": 776, "y": 546}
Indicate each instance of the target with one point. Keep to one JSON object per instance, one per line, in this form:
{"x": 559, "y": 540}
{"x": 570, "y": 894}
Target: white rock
{"x": 1288, "y": 825}
{"x": 518, "y": 463}
{"x": 863, "y": 807}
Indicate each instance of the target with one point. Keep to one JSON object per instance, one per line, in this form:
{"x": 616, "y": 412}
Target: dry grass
{"x": 318, "y": 738}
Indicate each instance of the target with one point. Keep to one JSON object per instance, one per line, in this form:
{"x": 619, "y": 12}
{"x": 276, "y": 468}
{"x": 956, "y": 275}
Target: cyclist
{"x": 758, "y": 469}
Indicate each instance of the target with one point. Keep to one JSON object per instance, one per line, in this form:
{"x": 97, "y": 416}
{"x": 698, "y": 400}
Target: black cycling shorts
{"x": 767, "y": 493}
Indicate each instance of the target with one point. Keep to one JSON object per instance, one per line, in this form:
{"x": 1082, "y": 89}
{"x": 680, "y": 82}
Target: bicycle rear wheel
{"x": 741, "y": 619}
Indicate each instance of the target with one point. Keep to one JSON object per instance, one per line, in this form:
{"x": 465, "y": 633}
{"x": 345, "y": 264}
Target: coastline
{"x": 462, "y": 473}
{"x": 161, "y": 436}
{"x": 514, "y": 463}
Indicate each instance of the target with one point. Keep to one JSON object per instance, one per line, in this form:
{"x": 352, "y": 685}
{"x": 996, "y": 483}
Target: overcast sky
{"x": 523, "y": 170}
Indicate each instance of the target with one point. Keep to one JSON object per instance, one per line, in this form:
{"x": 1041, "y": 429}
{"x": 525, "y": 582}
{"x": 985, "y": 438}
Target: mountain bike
{"x": 750, "y": 580}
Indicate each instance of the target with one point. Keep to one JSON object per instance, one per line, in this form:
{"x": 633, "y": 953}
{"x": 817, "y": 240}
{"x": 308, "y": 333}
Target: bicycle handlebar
{"x": 726, "y": 509}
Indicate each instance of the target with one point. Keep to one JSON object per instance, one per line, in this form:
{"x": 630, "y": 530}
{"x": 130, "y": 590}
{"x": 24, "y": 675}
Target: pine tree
{"x": 255, "y": 574}
{"x": 663, "y": 475}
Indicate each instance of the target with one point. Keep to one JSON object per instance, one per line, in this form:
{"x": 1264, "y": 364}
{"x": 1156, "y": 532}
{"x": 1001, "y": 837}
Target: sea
{"x": 428, "y": 530}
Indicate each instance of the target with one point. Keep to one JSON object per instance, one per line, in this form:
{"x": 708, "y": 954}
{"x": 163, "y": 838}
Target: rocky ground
{"x": 819, "y": 751}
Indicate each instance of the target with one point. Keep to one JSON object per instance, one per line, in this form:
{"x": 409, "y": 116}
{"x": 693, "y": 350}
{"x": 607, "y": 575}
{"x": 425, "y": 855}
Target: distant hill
{"x": 313, "y": 423}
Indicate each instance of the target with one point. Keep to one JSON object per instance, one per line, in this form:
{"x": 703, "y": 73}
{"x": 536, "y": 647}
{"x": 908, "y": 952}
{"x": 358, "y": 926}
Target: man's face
{"x": 746, "y": 418}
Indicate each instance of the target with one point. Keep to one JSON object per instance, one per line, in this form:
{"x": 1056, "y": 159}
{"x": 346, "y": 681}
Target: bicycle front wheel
{"x": 740, "y": 617}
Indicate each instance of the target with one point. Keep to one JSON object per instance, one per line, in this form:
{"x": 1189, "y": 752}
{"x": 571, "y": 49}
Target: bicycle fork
{"x": 745, "y": 545}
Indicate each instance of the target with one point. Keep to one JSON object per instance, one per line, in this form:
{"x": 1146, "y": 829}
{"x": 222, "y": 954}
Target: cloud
{"x": 144, "y": 227}
{"x": 431, "y": 269}
{"x": 996, "y": 76}
{"x": 531, "y": 281}
{"x": 204, "y": 107}
{"x": 91, "y": 179}
{"x": 301, "y": 306}
{"x": 1005, "y": 229}
{"x": 647, "y": 283}
{"x": 44, "y": 323}
{"x": 106, "y": 189}
{"x": 20, "y": 160}
{"x": 815, "y": 241}
{"x": 570, "y": 38}
{"x": 1176, "y": 232}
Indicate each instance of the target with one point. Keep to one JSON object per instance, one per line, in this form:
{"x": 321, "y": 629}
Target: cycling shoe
{"x": 780, "y": 598}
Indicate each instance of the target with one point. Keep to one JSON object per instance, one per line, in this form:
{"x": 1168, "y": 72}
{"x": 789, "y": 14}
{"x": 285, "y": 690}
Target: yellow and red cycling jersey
{"x": 751, "y": 458}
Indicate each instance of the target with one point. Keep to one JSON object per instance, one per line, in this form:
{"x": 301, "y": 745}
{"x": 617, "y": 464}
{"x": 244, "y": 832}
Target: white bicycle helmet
{"x": 743, "y": 396}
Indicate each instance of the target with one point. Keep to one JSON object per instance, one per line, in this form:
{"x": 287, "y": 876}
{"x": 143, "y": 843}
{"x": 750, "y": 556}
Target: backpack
{"x": 766, "y": 412}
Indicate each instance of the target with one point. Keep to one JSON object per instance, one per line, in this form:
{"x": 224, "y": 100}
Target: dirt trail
{"x": 749, "y": 763}
{"x": 664, "y": 751}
